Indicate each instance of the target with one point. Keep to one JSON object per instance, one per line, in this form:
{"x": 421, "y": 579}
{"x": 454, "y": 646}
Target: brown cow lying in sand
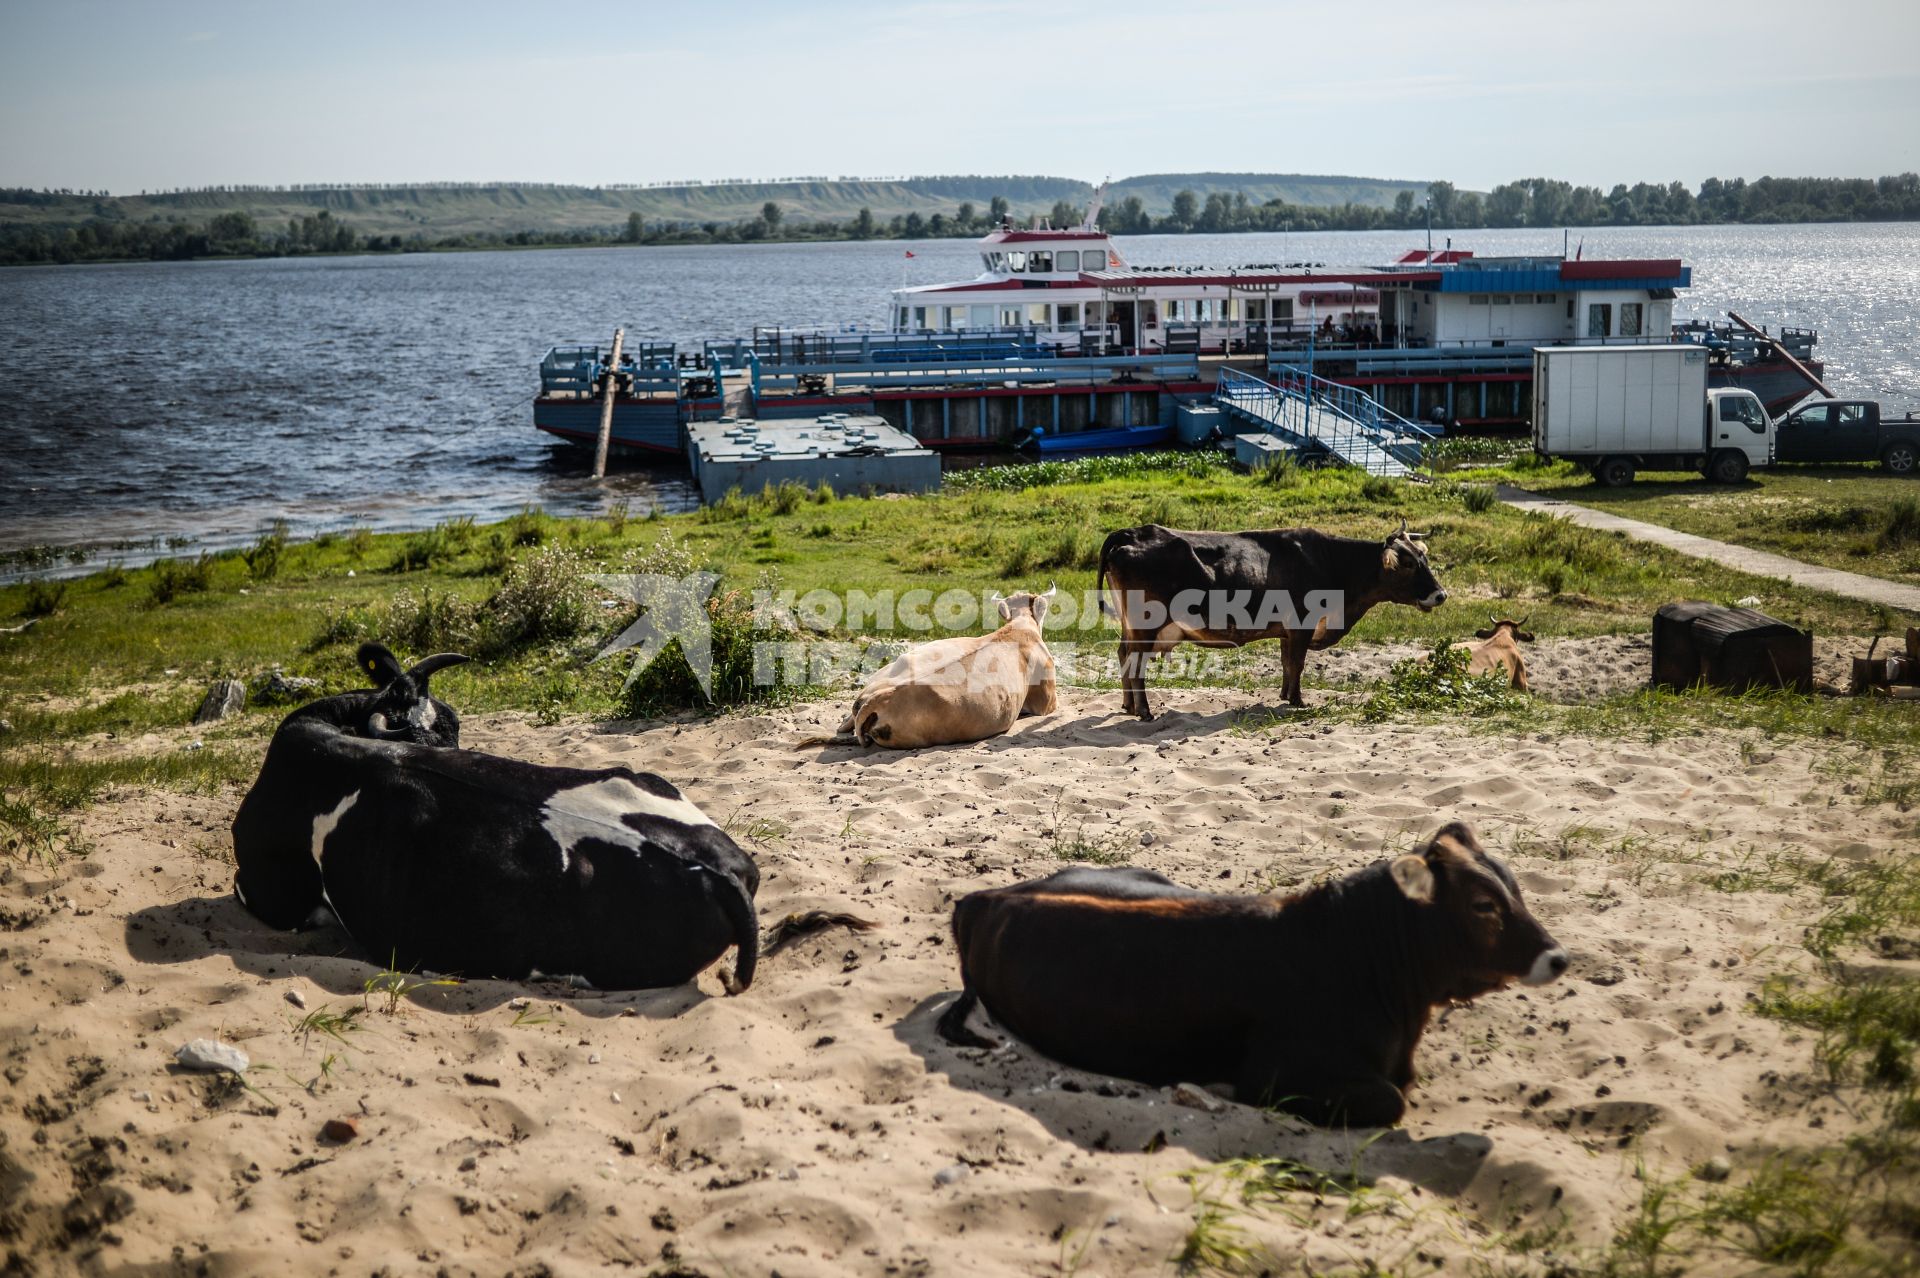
{"x": 1499, "y": 649}
{"x": 963, "y": 689}
{"x": 1313, "y": 1003}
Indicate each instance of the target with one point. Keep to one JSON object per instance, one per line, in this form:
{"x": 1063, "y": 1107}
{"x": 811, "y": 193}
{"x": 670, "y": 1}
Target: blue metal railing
{"x": 1315, "y": 414}
{"x": 579, "y": 369}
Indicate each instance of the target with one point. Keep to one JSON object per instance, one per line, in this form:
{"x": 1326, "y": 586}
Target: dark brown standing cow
{"x": 1311, "y": 1003}
{"x": 1222, "y": 590}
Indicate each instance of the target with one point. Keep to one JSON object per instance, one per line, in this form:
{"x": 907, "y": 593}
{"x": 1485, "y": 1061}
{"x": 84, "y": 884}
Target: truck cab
{"x": 1848, "y": 430}
{"x": 1736, "y": 421}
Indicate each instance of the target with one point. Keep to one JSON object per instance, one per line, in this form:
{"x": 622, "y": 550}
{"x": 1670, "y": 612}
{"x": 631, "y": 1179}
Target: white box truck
{"x": 1621, "y": 409}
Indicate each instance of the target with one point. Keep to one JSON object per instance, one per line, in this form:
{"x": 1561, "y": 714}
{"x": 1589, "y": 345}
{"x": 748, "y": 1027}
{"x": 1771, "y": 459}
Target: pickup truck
{"x": 1848, "y": 430}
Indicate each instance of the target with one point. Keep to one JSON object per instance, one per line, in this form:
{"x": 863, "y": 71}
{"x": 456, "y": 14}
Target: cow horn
{"x": 377, "y": 728}
{"x": 1493, "y": 622}
{"x": 427, "y": 666}
{"x": 1051, "y": 588}
{"x": 996, "y": 597}
{"x": 1522, "y": 623}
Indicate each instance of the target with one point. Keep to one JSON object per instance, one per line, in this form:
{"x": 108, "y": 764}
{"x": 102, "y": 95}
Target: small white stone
{"x": 951, "y": 1175}
{"x": 143, "y": 1097}
{"x": 593, "y": 1058}
{"x": 296, "y": 998}
{"x": 1197, "y": 1098}
{"x": 211, "y": 1055}
{"x": 616, "y": 1098}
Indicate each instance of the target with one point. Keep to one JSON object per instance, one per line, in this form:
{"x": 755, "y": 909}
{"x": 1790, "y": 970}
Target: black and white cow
{"x": 454, "y": 861}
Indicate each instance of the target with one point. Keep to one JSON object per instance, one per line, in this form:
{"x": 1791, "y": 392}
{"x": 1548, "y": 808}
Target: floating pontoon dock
{"x": 853, "y": 453}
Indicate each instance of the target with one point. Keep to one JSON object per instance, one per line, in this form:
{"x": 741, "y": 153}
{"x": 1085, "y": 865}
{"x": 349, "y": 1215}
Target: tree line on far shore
{"x": 1529, "y": 202}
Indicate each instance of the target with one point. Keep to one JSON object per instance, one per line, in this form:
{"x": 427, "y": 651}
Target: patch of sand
{"x": 801, "y": 1127}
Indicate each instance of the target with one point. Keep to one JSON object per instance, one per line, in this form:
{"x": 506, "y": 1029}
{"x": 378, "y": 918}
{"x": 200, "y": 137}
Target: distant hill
{"x": 451, "y": 209}
{"x": 1156, "y": 190}
{"x": 504, "y": 208}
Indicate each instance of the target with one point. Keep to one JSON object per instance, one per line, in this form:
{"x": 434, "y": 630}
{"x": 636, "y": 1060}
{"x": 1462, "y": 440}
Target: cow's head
{"x": 1027, "y": 604}
{"x": 405, "y": 710}
{"x": 1405, "y": 574}
{"x": 1474, "y": 932}
{"x": 1518, "y": 629}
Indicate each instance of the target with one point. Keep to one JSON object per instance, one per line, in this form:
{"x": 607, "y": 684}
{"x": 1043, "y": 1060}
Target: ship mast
{"x": 1092, "y": 220}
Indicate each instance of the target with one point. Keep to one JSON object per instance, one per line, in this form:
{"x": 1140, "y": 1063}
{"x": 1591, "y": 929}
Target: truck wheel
{"x": 1614, "y": 472}
{"x": 1899, "y": 458}
{"x": 1727, "y": 467}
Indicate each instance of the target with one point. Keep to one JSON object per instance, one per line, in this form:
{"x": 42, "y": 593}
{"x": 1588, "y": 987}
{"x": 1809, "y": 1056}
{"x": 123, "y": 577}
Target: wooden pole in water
{"x": 606, "y": 407}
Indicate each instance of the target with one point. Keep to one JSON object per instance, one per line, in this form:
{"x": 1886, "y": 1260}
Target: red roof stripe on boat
{"x": 1628, "y": 269}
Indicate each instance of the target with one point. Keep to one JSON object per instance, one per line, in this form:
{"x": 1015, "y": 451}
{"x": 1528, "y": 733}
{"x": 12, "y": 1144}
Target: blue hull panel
{"x": 654, "y": 427}
{"x": 1114, "y": 440}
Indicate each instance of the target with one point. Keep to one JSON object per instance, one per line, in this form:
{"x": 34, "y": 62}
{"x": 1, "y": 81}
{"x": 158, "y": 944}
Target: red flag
{"x": 909, "y": 252}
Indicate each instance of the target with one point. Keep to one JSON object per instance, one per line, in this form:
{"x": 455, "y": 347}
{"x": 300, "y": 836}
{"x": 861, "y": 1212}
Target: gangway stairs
{"x": 1319, "y": 416}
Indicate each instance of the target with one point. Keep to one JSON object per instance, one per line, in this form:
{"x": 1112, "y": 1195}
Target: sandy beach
{"x": 816, "y": 1125}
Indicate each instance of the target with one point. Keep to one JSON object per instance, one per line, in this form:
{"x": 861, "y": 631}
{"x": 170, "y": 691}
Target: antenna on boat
{"x": 1092, "y": 220}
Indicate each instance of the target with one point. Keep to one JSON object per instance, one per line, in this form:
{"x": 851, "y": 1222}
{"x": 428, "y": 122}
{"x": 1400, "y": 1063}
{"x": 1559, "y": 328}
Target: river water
{"x": 203, "y": 400}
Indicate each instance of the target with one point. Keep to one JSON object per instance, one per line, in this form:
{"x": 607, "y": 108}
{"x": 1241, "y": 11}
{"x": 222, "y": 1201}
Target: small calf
{"x": 461, "y": 862}
{"x": 1312, "y": 1003}
{"x": 1499, "y": 649}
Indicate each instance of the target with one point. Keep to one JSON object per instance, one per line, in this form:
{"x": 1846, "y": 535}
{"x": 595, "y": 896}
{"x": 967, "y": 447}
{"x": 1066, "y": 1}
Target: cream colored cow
{"x": 1499, "y": 649}
{"x": 963, "y": 689}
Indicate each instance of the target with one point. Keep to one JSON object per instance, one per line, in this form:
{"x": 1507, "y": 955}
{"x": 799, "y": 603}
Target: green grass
{"x": 129, "y": 651}
{"x": 1856, "y": 518}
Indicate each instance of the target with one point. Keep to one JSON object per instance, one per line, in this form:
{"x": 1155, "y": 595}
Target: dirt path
{"x": 1849, "y": 585}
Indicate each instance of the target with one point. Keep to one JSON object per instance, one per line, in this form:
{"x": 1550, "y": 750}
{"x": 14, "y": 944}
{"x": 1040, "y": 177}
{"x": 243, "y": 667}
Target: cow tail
{"x": 1100, "y": 579}
{"x": 746, "y": 932}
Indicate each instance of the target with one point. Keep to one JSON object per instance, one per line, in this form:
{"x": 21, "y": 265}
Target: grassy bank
{"x": 1857, "y": 518}
{"x": 128, "y": 652}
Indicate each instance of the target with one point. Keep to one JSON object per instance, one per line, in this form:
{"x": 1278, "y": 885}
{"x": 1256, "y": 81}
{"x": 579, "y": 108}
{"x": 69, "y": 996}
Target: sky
{"x": 130, "y": 95}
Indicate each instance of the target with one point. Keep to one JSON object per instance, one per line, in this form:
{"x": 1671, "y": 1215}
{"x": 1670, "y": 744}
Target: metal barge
{"x": 1059, "y": 338}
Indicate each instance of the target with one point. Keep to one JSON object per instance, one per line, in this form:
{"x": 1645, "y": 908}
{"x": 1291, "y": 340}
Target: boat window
{"x": 956, "y": 317}
{"x": 991, "y": 261}
{"x": 919, "y": 317}
{"x": 1037, "y": 313}
{"x": 901, "y": 322}
{"x": 980, "y": 317}
{"x": 1283, "y": 308}
{"x": 1067, "y": 260}
{"x": 1176, "y": 308}
{"x": 1203, "y": 310}
{"x": 1256, "y": 308}
{"x": 1017, "y": 260}
{"x": 1600, "y": 319}
{"x": 1067, "y": 315}
{"x": 1630, "y": 319}
{"x": 1096, "y": 314}
{"x": 1009, "y": 317}
{"x": 1153, "y": 315}
{"x": 1093, "y": 259}
{"x": 1040, "y": 260}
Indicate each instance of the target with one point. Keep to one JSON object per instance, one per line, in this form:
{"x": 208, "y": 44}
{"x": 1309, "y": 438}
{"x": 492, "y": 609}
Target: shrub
{"x": 422, "y": 550}
{"x": 784, "y": 499}
{"x": 1281, "y": 470}
{"x": 264, "y": 556}
{"x": 175, "y": 577}
{"x": 1478, "y": 498}
{"x": 617, "y": 515}
{"x": 1439, "y": 683}
{"x": 44, "y": 598}
{"x": 529, "y": 527}
{"x": 1900, "y": 526}
{"x": 1085, "y": 470}
{"x": 823, "y": 495}
{"x": 1379, "y": 488}
{"x": 546, "y": 598}
{"x": 667, "y": 683}
{"x": 456, "y": 533}
{"x": 429, "y": 622}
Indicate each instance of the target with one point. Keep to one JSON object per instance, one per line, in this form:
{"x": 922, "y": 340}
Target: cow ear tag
{"x": 1413, "y": 877}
